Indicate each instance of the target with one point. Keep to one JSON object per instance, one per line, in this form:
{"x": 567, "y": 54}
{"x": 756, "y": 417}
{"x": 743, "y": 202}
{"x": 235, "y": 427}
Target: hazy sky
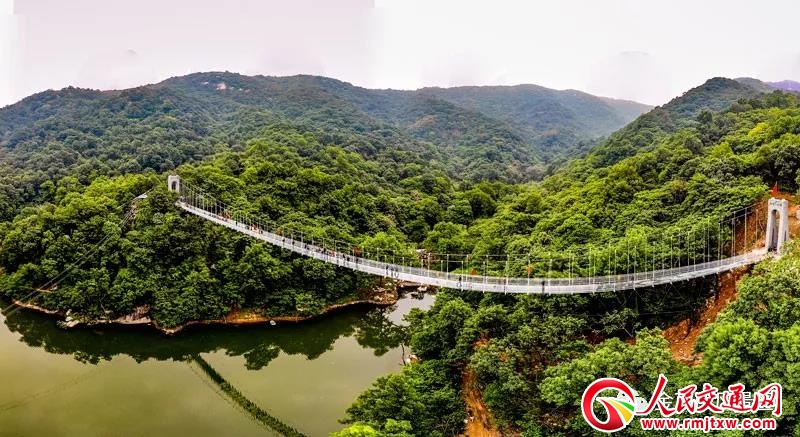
{"x": 642, "y": 50}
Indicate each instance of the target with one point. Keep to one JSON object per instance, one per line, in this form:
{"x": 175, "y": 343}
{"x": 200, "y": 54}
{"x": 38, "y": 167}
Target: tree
{"x": 481, "y": 203}
{"x": 447, "y": 238}
{"x": 460, "y": 211}
{"x": 733, "y": 352}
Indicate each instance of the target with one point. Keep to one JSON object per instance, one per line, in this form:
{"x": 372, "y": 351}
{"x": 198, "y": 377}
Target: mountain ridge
{"x": 471, "y": 130}
{"x": 714, "y": 95}
{"x": 508, "y": 133}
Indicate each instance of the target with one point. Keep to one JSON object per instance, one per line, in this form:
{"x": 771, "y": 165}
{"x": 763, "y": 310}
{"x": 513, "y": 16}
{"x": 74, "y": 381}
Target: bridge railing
{"x": 482, "y": 282}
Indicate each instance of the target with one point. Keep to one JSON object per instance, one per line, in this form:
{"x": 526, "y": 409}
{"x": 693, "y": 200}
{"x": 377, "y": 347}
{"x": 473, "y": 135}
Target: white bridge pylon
{"x": 777, "y": 224}
{"x": 204, "y": 206}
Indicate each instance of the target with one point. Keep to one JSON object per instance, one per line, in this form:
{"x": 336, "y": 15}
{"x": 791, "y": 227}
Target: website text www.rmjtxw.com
{"x": 708, "y": 423}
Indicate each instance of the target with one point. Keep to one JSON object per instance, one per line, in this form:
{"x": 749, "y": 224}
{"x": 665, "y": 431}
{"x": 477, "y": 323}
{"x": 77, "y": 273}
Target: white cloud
{"x": 8, "y": 32}
{"x": 631, "y": 75}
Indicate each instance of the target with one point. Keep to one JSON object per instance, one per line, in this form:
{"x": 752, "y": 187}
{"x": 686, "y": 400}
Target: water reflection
{"x": 259, "y": 345}
{"x": 136, "y": 381}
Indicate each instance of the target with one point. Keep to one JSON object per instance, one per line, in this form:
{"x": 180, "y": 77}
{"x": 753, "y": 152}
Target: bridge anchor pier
{"x": 777, "y": 224}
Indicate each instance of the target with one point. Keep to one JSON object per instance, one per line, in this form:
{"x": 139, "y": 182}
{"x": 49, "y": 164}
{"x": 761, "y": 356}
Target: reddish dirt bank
{"x": 683, "y": 335}
{"x": 479, "y": 418}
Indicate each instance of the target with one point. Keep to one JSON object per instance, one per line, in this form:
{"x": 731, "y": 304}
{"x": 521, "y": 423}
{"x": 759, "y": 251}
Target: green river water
{"x": 137, "y": 382}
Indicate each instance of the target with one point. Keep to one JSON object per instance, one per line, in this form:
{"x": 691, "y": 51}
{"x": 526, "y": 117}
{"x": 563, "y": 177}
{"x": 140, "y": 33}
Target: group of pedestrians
{"x": 391, "y": 272}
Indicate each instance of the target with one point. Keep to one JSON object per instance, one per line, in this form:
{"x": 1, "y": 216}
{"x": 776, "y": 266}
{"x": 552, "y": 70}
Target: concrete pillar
{"x": 174, "y": 183}
{"x": 777, "y": 224}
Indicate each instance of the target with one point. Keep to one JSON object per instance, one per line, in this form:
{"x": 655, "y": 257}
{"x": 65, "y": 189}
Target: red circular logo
{"x": 619, "y": 411}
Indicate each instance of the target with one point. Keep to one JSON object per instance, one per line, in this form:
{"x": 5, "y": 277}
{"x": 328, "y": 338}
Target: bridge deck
{"x": 493, "y": 284}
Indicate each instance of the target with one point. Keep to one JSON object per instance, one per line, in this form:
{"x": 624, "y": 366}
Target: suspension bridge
{"x": 662, "y": 270}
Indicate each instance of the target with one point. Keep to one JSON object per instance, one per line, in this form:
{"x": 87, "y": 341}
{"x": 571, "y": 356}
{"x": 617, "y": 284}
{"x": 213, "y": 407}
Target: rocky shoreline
{"x": 236, "y": 317}
{"x": 249, "y": 317}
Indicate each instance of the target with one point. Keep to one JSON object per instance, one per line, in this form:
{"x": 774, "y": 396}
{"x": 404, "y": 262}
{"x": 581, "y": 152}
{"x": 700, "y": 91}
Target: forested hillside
{"x": 186, "y": 269}
{"x": 532, "y": 356}
{"x": 184, "y": 119}
{"x": 680, "y": 113}
{"x": 433, "y": 170}
{"x": 552, "y": 120}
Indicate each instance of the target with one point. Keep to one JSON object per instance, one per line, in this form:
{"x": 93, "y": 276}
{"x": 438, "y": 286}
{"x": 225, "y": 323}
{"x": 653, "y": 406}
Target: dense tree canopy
{"x": 533, "y": 356}
{"x": 403, "y": 179}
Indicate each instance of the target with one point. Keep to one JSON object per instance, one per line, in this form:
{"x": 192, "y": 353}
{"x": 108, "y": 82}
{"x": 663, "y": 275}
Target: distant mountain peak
{"x": 715, "y": 94}
{"x": 786, "y": 85}
{"x": 783, "y": 85}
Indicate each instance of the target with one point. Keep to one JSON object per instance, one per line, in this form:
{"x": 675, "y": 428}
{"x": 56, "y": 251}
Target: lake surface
{"x": 137, "y": 382}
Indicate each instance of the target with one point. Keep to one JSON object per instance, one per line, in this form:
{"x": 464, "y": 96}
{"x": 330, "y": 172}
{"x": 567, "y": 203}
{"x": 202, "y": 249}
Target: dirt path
{"x": 479, "y": 419}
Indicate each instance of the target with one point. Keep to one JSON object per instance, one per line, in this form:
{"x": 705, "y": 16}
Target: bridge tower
{"x": 174, "y": 183}
{"x": 777, "y": 224}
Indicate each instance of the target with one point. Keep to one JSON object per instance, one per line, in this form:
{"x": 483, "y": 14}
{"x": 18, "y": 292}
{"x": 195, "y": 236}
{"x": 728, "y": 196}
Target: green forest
{"x": 375, "y": 170}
